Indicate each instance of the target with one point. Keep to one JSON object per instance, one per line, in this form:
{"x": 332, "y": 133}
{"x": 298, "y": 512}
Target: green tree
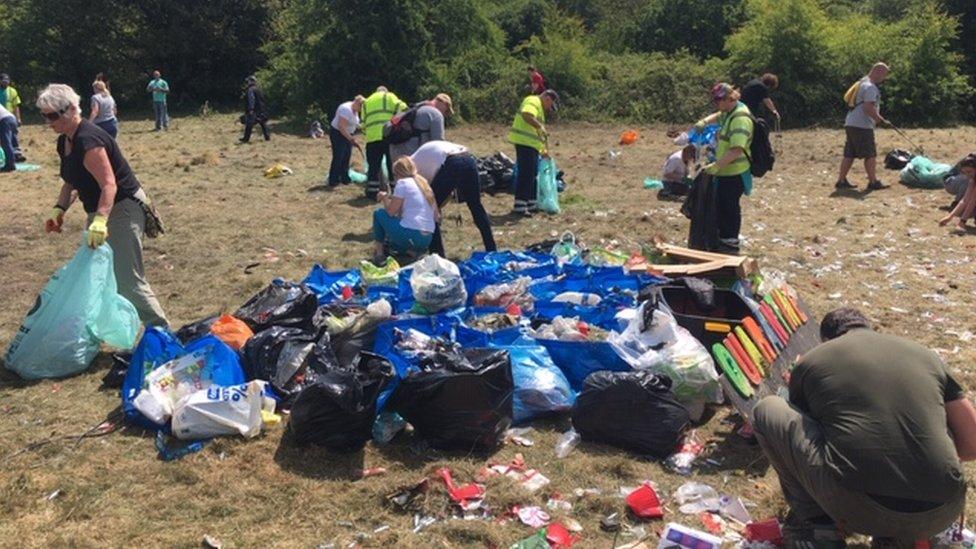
{"x": 697, "y": 26}
{"x": 789, "y": 38}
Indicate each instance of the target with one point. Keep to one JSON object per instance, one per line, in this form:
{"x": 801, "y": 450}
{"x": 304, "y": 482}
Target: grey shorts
{"x": 860, "y": 143}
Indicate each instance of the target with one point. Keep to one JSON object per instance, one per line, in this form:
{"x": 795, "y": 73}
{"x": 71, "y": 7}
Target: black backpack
{"x": 760, "y": 154}
{"x": 400, "y": 128}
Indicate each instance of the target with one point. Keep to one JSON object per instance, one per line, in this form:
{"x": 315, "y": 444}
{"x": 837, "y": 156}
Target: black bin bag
{"x": 338, "y": 409}
{"x": 196, "y": 330}
{"x": 283, "y": 304}
{"x": 635, "y": 411}
{"x": 459, "y": 401}
{"x": 288, "y": 358}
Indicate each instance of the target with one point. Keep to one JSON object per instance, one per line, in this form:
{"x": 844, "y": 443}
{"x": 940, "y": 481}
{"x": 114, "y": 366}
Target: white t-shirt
{"x": 417, "y": 213}
{"x": 675, "y": 168}
{"x": 431, "y": 156}
{"x": 4, "y": 113}
{"x": 345, "y": 112}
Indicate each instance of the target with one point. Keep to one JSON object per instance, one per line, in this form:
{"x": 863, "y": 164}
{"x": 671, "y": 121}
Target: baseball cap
{"x": 446, "y": 99}
{"x": 554, "y": 96}
{"x": 721, "y": 91}
{"x": 4, "y": 77}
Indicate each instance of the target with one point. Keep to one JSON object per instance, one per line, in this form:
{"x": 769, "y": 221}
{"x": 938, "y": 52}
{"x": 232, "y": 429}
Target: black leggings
{"x": 460, "y": 171}
{"x": 730, "y": 189}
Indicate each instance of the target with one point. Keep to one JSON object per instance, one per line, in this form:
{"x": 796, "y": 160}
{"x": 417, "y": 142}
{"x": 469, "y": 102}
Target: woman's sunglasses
{"x": 53, "y": 116}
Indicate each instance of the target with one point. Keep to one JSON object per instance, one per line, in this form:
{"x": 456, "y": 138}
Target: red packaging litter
{"x": 766, "y": 530}
{"x": 644, "y": 503}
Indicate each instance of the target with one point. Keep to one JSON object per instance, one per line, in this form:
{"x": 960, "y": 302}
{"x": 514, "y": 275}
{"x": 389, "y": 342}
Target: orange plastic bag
{"x": 232, "y": 331}
{"x": 629, "y": 137}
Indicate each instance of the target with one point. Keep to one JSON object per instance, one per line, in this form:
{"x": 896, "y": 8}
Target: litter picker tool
{"x": 905, "y": 136}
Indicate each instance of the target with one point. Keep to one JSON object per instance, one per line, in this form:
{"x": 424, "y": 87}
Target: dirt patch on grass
{"x": 882, "y": 252}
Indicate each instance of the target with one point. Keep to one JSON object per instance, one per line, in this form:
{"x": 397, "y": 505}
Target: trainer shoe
{"x": 844, "y": 184}
{"x": 877, "y": 185}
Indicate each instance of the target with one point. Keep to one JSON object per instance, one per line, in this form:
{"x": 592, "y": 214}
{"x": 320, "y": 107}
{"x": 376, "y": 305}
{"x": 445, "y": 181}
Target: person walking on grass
{"x": 405, "y": 221}
{"x": 531, "y": 139}
{"x": 864, "y": 103}
{"x": 103, "y": 112}
{"x": 342, "y": 132}
{"x": 95, "y": 172}
{"x": 159, "y": 89}
{"x": 255, "y": 111}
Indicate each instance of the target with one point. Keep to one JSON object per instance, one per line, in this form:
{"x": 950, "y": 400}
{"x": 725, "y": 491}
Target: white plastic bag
{"x": 79, "y": 308}
{"x": 178, "y": 378}
{"x": 664, "y": 347}
{"x": 437, "y": 284}
{"x": 217, "y": 411}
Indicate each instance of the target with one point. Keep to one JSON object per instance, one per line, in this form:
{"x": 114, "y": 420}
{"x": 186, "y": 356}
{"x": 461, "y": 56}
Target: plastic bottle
{"x": 567, "y": 443}
{"x": 386, "y": 426}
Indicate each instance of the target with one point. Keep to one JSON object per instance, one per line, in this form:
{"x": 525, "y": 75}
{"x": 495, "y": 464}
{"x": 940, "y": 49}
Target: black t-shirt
{"x": 73, "y": 171}
{"x": 753, "y": 94}
{"x": 880, "y": 401}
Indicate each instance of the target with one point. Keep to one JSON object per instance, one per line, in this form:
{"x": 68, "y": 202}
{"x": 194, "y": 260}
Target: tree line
{"x": 636, "y": 60}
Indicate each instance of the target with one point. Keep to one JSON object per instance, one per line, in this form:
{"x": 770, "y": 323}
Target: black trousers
{"x": 730, "y": 189}
{"x": 460, "y": 172}
{"x": 249, "y": 121}
{"x": 341, "y": 156}
{"x": 526, "y": 187}
{"x": 374, "y": 155}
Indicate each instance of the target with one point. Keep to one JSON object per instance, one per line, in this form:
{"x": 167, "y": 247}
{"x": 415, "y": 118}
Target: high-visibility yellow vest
{"x": 522, "y": 133}
{"x": 378, "y": 109}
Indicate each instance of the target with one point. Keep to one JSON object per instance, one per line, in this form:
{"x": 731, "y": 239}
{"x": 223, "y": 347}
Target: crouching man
{"x": 871, "y": 440}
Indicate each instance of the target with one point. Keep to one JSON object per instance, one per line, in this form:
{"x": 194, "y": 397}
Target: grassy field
{"x": 882, "y": 252}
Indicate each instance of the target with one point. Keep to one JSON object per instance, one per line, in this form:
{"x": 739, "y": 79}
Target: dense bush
{"x": 640, "y": 60}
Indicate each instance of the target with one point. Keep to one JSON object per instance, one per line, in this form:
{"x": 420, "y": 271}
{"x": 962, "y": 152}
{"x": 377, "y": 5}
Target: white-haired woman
{"x": 103, "y": 112}
{"x": 93, "y": 167}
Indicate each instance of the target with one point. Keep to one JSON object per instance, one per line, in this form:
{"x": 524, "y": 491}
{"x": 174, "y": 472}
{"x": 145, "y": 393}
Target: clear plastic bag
{"x": 655, "y": 342}
{"x": 437, "y": 284}
{"x": 218, "y": 411}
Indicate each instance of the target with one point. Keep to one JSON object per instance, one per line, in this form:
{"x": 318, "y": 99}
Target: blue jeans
{"x": 162, "y": 117}
{"x": 111, "y": 127}
{"x": 341, "y": 155}
{"x": 400, "y": 239}
{"x": 7, "y": 126}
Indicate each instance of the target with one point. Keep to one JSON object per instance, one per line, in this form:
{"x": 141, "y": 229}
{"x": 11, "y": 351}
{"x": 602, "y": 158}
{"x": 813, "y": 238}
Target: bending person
{"x": 405, "y": 223}
{"x": 965, "y": 204}
{"x": 870, "y": 441}
{"x": 449, "y": 167}
{"x": 92, "y": 166}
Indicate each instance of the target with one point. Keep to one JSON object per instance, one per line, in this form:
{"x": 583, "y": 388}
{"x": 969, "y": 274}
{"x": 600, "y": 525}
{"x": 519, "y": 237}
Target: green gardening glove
{"x": 97, "y": 231}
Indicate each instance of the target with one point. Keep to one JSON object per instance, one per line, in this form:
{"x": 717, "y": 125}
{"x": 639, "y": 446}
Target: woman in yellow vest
{"x": 377, "y": 110}
{"x": 732, "y": 169}
{"x": 531, "y": 139}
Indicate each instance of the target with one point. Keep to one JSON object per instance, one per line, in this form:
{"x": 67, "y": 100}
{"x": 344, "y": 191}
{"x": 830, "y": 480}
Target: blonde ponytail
{"x": 403, "y": 168}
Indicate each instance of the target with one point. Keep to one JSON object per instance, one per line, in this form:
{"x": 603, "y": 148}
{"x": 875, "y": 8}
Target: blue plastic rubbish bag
{"x": 548, "y": 188}
{"x": 541, "y": 388}
{"x": 79, "y": 309}
{"x": 924, "y": 173}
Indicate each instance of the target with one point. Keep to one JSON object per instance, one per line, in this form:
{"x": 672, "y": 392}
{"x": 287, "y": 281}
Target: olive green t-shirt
{"x": 880, "y": 401}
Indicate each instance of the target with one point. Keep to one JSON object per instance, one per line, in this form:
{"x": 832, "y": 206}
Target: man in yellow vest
{"x": 377, "y": 110}
{"x": 531, "y": 139}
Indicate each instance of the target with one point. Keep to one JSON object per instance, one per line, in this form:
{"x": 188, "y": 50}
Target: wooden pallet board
{"x": 803, "y": 340}
{"x": 701, "y": 263}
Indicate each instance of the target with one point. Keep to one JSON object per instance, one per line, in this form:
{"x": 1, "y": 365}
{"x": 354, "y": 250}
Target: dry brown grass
{"x": 222, "y": 215}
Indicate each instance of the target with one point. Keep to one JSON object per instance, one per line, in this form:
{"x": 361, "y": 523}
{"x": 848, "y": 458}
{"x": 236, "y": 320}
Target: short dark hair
{"x": 840, "y": 321}
{"x": 531, "y": 68}
{"x": 770, "y": 79}
{"x": 969, "y": 161}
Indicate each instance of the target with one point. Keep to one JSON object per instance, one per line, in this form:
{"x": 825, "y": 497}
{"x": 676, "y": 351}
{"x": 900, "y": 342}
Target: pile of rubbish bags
{"x": 459, "y": 351}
